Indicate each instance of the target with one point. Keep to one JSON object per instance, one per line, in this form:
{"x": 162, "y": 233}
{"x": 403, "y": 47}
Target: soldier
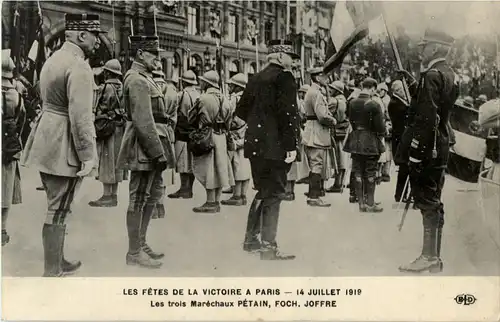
{"x": 212, "y": 169}
{"x": 426, "y": 143}
{"x": 66, "y": 86}
{"x": 240, "y": 165}
{"x": 365, "y": 144}
{"x": 480, "y": 101}
{"x": 184, "y": 159}
{"x": 338, "y": 107}
{"x": 468, "y": 102}
{"x": 317, "y": 137}
{"x": 110, "y": 106}
{"x": 13, "y": 118}
{"x": 146, "y": 149}
{"x": 269, "y": 107}
{"x": 386, "y": 157}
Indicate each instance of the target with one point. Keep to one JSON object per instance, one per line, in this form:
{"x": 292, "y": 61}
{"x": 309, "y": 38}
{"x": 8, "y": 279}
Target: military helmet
{"x": 382, "y": 86}
{"x": 211, "y": 77}
{"x": 468, "y": 101}
{"x": 174, "y": 79}
{"x": 189, "y": 77}
{"x": 337, "y": 85}
{"x": 482, "y": 98}
{"x": 304, "y": 88}
{"x": 8, "y": 67}
{"x": 113, "y": 66}
{"x": 239, "y": 80}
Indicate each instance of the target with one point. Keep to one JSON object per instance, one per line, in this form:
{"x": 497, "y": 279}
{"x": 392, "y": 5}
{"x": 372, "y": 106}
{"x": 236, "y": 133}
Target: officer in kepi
{"x": 426, "y": 142}
{"x": 269, "y": 107}
{"x": 66, "y": 87}
{"x": 145, "y": 150}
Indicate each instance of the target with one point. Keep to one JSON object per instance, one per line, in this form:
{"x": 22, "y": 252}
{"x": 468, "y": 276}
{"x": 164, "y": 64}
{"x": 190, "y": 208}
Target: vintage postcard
{"x": 250, "y": 160}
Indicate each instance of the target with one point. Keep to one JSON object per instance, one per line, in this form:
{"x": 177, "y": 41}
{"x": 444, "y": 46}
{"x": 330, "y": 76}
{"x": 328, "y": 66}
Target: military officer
{"x": 146, "y": 149}
{"x": 66, "y": 86}
{"x": 13, "y": 118}
{"x": 239, "y": 164}
{"x": 109, "y": 104}
{"x": 425, "y": 143}
{"x": 268, "y": 106}
{"x": 365, "y": 144}
{"x": 338, "y": 106}
{"x": 317, "y": 136}
{"x": 184, "y": 159}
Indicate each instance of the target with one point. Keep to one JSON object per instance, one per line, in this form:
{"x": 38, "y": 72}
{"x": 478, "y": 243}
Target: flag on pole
{"x": 349, "y": 25}
{"x": 40, "y": 55}
{"x": 15, "y": 45}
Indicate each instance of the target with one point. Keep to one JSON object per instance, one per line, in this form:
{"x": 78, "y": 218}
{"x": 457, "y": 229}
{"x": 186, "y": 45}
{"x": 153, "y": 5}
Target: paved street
{"x": 338, "y": 241}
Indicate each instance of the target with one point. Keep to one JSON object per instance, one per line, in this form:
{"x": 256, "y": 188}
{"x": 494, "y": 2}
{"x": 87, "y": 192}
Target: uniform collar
{"x": 212, "y": 90}
{"x": 159, "y": 80}
{"x": 432, "y": 63}
{"x": 139, "y": 67}
{"x": 73, "y": 48}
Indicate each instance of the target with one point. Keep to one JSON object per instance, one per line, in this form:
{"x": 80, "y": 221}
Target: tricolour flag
{"x": 349, "y": 25}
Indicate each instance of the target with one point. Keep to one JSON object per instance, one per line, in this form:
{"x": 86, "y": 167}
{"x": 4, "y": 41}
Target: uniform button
{"x": 256, "y": 140}
{"x": 290, "y": 124}
{"x": 254, "y": 153}
{"x": 258, "y": 125}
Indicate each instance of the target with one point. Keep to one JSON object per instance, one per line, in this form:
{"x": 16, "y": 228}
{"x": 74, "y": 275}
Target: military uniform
{"x": 66, "y": 86}
{"x": 240, "y": 165}
{"x": 365, "y": 144}
{"x": 213, "y": 169}
{"x": 268, "y": 106}
{"x": 317, "y": 140}
{"x": 146, "y": 151}
{"x": 13, "y": 118}
{"x": 184, "y": 159}
{"x": 425, "y": 144}
{"x": 109, "y": 104}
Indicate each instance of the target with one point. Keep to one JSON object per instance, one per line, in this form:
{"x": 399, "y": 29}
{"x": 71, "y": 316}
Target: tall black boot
{"x": 315, "y": 184}
{"x": 353, "y": 198}
{"x": 53, "y": 240}
{"x": 359, "y": 188}
{"x": 339, "y": 181}
{"x": 147, "y": 213}
{"x": 135, "y": 255}
{"x": 369, "y": 190}
{"x": 428, "y": 260}
{"x": 185, "y": 190}
{"x": 251, "y": 242}
{"x": 270, "y": 216}
{"x": 439, "y": 236}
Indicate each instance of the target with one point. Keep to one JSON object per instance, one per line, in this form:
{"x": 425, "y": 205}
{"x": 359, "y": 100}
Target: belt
{"x": 311, "y": 118}
{"x": 219, "y": 128}
{"x": 55, "y": 109}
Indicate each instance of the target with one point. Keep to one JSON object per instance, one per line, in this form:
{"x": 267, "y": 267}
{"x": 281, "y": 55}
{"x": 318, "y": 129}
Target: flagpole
{"x": 114, "y": 32}
{"x": 154, "y": 17}
{"x": 287, "y": 17}
{"x": 256, "y": 52}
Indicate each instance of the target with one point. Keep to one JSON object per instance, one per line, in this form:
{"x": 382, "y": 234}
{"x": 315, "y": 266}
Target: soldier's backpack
{"x": 106, "y": 123}
{"x": 201, "y": 140}
{"x": 11, "y": 143}
{"x": 183, "y": 128}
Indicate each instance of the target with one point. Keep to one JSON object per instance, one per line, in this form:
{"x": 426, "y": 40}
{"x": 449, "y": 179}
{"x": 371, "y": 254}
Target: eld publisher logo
{"x": 465, "y": 299}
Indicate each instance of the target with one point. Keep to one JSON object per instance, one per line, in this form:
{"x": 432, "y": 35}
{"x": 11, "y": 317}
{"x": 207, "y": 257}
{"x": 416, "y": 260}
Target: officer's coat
{"x": 213, "y": 170}
{"x": 185, "y": 103}
{"x": 64, "y": 136}
{"x": 109, "y": 148}
{"x": 146, "y": 132}
{"x": 317, "y": 131}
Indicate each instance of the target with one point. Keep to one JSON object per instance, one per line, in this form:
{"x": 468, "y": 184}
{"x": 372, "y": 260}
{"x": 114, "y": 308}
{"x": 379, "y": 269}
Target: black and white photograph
{"x": 250, "y": 139}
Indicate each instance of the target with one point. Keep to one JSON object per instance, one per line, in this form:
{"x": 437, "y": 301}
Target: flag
{"x": 40, "y": 55}
{"x": 349, "y": 25}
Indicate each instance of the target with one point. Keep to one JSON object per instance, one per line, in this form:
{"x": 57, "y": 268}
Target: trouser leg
{"x": 252, "y": 231}
{"x": 5, "y": 235}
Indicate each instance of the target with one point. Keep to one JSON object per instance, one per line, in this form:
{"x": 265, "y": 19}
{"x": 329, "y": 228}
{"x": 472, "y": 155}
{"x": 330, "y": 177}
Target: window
{"x": 255, "y": 4}
{"x": 268, "y": 32}
{"x": 215, "y": 24}
{"x": 193, "y": 16}
{"x": 232, "y": 34}
{"x": 233, "y": 68}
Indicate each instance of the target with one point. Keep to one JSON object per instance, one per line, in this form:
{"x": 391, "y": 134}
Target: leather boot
{"x": 53, "y": 240}
{"x": 358, "y": 187}
{"x": 207, "y": 207}
{"x": 353, "y": 198}
{"x": 228, "y": 190}
{"x": 371, "y": 205}
{"x": 147, "y": 214}
{"x": 69, "y": 267}
{"x": 315, "y": 191}
{"x": 234, "y": 201}
{"x": 104, "y": 201}
{"x": 185, "y": 190}
{"x": 270, "y": 216}
{"x": 337, "y": 185}
{"x": 135, "y": 254}
{"x": 428, "y": 260}
{"x": 252, "y": 242}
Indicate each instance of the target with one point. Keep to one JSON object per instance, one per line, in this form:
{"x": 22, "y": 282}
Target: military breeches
{"x": 145, "y": 188}
{"x": 316, "y": 159}
{"x": 269, "y": 177}
{"x": 60, "y": 195}
{"x": 426, "y": 188}
{"x": 365, "y": 166}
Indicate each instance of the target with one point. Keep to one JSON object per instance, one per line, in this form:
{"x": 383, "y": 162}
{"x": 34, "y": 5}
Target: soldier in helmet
{"x": 184, "y": 159}
{"x": 13, "y": 117}
{"x": 110, "y": 105}
{"x": 425, "y": 143}
{"x": 480, "y": 101}
{"x": 146, "y": 149}
{"x": 66, "y": 86}
{"x": 385, "y": 159}
{"x": 338, "y": 106}
{"x": 239, "y": 164}
{"x": 468, "y": 102}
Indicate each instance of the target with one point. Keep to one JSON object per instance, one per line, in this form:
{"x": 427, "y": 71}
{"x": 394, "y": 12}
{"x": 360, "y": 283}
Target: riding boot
{"x": 135, "y": 254}
{"x": 270, "y": 216}
{"x": 68, "y": 267}
{"x": 185, "y": 191}
{"x": 314, "y": 199}
{"x": 358, "y": 187}
{"x": 337, "y": 185}
{"x": 353, "y": 198}
{"x": 53, "y": 240}
{"x": 369, "y": 190}
{"x": 251, "y": 242}
{"x": 147, "y": 214}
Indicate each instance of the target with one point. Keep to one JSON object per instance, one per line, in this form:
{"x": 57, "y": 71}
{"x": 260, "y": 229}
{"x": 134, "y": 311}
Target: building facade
{"x": 190, "y": 31}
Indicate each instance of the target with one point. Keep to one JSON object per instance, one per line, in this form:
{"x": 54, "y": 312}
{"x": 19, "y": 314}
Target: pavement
{"x": 336, "y": 241}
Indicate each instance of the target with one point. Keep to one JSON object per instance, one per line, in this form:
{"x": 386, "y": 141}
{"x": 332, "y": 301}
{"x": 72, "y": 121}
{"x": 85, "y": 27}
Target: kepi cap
{"x": 83, "y": 22}
{"x": 146, "y": 43}
{"x": 282, "y": 46}
{"x": 369, "y": 83}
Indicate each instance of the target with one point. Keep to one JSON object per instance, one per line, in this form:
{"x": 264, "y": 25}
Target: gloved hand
{"x": 290, "y": 156}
